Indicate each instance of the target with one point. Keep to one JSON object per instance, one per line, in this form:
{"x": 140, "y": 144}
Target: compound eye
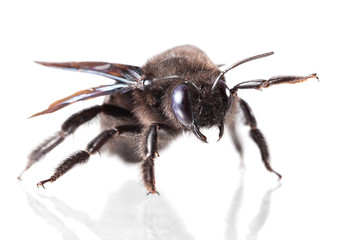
{"x": 182, "y": 105}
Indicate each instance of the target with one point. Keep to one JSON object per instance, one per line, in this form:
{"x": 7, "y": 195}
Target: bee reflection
{"x": 128, "y": 214}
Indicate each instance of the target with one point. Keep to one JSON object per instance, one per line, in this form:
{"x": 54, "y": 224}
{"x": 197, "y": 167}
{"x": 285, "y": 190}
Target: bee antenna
{"x": 237, "y": 64}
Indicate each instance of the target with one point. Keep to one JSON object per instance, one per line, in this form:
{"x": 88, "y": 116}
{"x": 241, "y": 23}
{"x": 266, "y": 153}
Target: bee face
{"x": 196, "y": 107}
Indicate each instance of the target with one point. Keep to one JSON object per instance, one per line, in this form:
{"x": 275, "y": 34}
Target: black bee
{"x": 177, "y": 91}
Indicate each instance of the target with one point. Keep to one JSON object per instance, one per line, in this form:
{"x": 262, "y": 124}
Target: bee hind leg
{"x": 93, "y": 147}
{"x": 69, "y": 127}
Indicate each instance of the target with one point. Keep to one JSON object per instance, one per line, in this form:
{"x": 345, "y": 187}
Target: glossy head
{"x": 197, "y": 106}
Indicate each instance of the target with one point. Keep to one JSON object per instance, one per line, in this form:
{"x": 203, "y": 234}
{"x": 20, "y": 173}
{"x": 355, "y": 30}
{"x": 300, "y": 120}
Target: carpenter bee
{"x": 180, "y": 90}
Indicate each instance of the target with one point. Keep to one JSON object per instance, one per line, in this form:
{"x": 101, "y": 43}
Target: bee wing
{"x": 84, "y": 95}
{"x": 119, "y": 72}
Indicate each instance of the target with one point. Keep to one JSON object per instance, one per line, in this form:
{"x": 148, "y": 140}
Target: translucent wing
{"x": 84, "y": 95}
{"x": 128, "y": 76}
{"x": 119, "y": 72}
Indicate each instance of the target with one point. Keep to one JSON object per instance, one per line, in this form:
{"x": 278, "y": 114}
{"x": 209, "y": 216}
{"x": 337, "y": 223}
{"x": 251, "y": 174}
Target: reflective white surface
{"x": 310, "y": 127}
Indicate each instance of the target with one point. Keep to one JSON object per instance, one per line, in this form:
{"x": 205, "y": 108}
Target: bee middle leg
{"x": 93, "y": 147}
{"x": 69, "y": 127}
{"x": 236, "y": 141}
{"x": 257, "y": 135}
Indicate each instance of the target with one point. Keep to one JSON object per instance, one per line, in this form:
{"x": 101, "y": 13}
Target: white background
{"x": 310, "y": 127}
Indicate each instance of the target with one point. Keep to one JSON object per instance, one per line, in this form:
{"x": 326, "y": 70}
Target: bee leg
{"x": 236, "y": 141}
{"x": 257, "y": 136}
{"x": 68, "y": 127}
{"x": 262, "y": 83}
{"x": 147, "y": 167}
{"x": 71, "y": 161}
{"x": 93, "y": 147}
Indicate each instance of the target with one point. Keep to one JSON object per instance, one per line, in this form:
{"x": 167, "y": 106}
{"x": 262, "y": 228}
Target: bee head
{"x": 196, "y": 107}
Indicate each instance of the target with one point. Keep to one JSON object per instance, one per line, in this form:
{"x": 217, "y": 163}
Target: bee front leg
{"x": 147, "y": 167}
{"x": 262, "y": 83}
